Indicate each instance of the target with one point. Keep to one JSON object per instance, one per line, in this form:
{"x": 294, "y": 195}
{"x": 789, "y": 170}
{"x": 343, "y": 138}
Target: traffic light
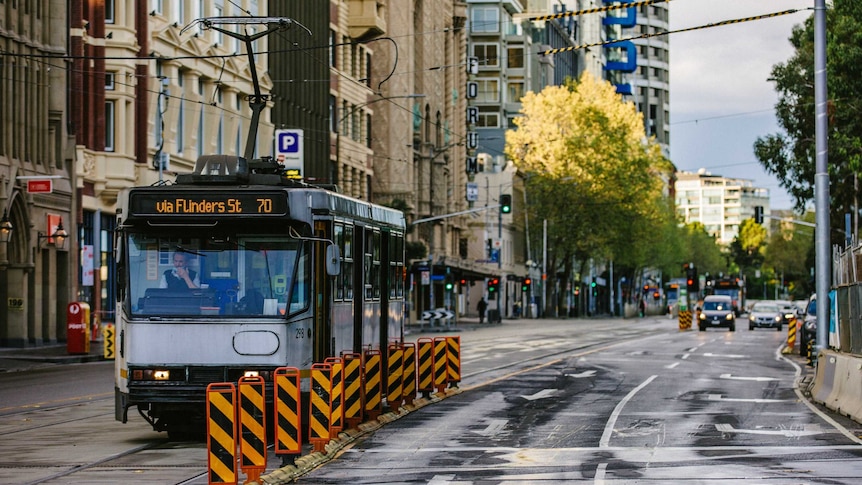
{"x": 493, "y": 288}
{"x": 758, "y": 214}
{"x": 505, "y": 203}
{"x": 526, "y": 285}
{"x": 450, "y": 284}
{"x": 691, "y": 278}
{"x": 593, "y": 286}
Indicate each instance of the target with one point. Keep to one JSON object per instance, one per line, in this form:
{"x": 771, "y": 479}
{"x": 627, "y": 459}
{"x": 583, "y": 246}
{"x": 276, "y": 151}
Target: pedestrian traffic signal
{"x": 526, "y": 286}
{"x": 506, "y": 203}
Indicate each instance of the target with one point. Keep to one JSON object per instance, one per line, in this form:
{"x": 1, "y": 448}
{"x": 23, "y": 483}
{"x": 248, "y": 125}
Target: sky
{"x": 720, "y": 98}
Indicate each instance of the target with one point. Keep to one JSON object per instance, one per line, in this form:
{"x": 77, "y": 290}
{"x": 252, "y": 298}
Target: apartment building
{"x": 719, "y": 203}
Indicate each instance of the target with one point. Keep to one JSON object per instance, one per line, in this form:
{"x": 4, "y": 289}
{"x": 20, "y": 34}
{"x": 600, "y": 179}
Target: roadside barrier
{"x": 336, "y": 420}
{"x": 353, "y": 400}
{"x": 221, "y": 433}
{"x": 441, "y": 368}
{"x": 373, "y": 384}
{"x": 395, "y": 370}
{"x": 321, "y": 410}
{"x": 453, "y": 360}
{"x": 408, "y": 379}
{"x": 288, "y": 438}
{"x": 685, "y": 319}
{"x": 791, "y": 336}
{"x": 252, "y": 444}
{"x": 425, "y": 371}
{"x": 343, "y": 391}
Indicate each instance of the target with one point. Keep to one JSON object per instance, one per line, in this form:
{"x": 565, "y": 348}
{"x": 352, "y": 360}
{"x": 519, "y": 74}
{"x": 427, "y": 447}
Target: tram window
{"x": 396, "y": 264}
{"x": 375, "y": 281}
{"x": 347, "y": 266}
{"x": 338, "y": 238}
{"x": 237, "y": 274}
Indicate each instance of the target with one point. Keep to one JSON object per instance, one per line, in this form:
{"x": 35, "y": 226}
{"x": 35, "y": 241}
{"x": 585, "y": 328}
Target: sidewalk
{"x": 26, "y": 358}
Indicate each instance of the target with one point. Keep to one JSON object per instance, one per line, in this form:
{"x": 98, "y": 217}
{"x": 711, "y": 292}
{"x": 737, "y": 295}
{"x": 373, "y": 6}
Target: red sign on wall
{"x": 40, "y": 186}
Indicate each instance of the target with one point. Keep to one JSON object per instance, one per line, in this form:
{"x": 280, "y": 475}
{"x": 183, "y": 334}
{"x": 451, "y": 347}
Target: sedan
{"x": 765, "y": 314}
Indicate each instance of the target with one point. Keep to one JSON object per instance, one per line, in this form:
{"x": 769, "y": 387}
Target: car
{"x": 716, "y": 311}
{"x": 766, "y": 314}
{"x": 808, "y": 330}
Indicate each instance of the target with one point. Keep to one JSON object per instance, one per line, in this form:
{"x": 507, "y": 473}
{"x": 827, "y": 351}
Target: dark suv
{"x": 717, "y": 311}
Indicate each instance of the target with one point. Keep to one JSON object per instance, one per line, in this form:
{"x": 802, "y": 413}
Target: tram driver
{"x": 180, "y": 277}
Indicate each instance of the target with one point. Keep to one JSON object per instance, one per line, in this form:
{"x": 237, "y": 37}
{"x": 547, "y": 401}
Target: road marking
{"x": 728, "y": 356}
{"x": 738, "y": 378}
{"x": 612, "y": 421}
{"x": 718, "y": 397}
{"x": 672, "y": 365}
{"x": 541, "y": 394}
{"x": 787, "y": 433}
{"x": 495, "y": 426}
{"x": 586, "y": 373}
{"x": 441, "y": 479}
{"x": 600, "y": 473}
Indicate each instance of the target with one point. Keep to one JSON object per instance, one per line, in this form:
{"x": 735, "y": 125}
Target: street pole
{"x": 822, "y": 268}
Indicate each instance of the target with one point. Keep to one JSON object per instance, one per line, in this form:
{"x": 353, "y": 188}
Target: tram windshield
{"x": 247, "y": 275}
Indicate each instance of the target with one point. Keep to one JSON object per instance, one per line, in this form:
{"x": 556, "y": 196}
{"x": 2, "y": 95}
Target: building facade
{"x": 37, "y": 174}
{"x": 719, "y": 203}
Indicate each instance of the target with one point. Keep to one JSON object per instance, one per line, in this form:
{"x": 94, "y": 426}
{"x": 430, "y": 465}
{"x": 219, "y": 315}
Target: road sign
{"x": 289, "y": 147}
{"x": 40, "y": 186}
{"x": 472, "y": 191}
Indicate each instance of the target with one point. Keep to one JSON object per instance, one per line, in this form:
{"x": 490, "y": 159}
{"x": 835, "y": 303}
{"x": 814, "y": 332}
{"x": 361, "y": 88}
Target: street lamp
{"x": 356, "y": 108}
{"x": 5, "y": 228}
{"x": 58, "y": 237}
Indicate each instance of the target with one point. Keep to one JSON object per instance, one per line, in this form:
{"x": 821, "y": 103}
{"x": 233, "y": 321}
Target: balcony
{"x": 366, "y": 19}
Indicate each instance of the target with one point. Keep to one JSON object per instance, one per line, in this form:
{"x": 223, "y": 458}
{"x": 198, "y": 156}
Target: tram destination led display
{"x": 209, "y": 204}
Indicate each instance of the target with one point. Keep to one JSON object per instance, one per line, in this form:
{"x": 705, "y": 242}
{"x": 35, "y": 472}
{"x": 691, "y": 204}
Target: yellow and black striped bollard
{"x": 441, "y": 369}
{"x": 221, "y": 432}
{"x": 408, "y": 378}
{"x": 453, "y": 360}
{"x": 252, "y": 422}
{"x": 373, "y": 384}
{"x": 288, "y": 439}
{"x": 425, "y": 372}
{"x": 321, "y": 404}
{"x": 353, "y": 402}
{"x": 395, "y": 369}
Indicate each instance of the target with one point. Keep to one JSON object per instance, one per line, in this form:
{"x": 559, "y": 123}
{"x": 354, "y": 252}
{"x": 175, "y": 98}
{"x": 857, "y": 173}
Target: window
{"x": 347, "y": 267}
{"x": 515, "y": 57}
{"x": 109, "y": 126}
{"x": 109, "y": 11}
{"x": 484, "y": 19}
{"x": 218, "y": 11}
{"x": 333, "y": 40}
{"x": 488, "y": 119}
{"x": 515, "y": 91}
{"x": 181, "y": 117}
{"x": 109, "y": 81}
{"x": 489, "y": 90}
{"x": 488, "y": 55}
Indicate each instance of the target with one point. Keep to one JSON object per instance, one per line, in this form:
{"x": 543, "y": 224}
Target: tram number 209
{"x": 303, "y": 333}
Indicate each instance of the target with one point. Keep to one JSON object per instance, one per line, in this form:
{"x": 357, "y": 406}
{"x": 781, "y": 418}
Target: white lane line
{"x": 672, "y": 365}
{"x": 802, "y": 398}
{"x": 787, "y": 433}
{"x": 586, "y": 373}
{"x": 612, "y": 421}
{"x": 600, "y": 474}
{"x": 728, "y": 356}
{"x": 718, "y": 397}
{"x": 495, "y": 426}
{"x": 740, "y": 378}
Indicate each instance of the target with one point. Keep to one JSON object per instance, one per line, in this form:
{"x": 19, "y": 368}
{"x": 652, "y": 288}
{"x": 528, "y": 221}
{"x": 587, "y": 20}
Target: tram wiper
{"x": 190, "y": 251}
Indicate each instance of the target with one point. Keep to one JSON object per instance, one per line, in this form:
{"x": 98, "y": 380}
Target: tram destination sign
{"x": 209, "y": 204}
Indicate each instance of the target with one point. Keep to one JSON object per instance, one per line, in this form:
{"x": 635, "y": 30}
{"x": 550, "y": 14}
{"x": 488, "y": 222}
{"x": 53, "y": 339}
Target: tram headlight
{"x": 251, "y": 373}
{"x": 161, "y": 375}
{"x": 151, "y": 375}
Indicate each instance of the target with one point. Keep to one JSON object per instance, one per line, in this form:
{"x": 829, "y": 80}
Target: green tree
{"x": 790, "y": 156}
{"x": 592, "y": 175}
{"x": 787, "y": 254}
{"x": 702, "y": 249}
{"x": 748, "y": 248}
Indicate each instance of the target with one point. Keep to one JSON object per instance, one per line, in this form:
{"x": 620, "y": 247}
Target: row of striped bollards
{"x": 344, "y": 392}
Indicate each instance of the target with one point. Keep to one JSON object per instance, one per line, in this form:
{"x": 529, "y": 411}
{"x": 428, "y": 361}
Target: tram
{"x": 235, "y": 270}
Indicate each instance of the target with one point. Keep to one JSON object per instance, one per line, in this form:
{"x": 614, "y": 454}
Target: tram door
{"x": 321, "y": 302}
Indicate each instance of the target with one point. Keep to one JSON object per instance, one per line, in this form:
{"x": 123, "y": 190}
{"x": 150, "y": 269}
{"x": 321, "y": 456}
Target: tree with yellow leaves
{"x": 592, "y": 173}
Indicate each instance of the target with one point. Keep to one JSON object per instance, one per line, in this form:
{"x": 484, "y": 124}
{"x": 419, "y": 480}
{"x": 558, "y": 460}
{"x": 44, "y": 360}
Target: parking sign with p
{"x": 288, "y": 151}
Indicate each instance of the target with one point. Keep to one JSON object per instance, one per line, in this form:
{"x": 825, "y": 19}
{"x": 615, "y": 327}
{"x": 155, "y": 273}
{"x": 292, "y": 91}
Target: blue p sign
{"x": 288, "y": 142}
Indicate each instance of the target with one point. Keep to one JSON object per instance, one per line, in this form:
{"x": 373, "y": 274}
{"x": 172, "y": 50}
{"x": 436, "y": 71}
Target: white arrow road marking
{"x": 738, "y": 378}
{"x": 717, "y": 397}
{"x": 541, "y": 394}
{"x": 586, "y": 373}
{"x": 495, "y": 426}
{"x": 788, "y": 433}
{"x": 729, "y": 356}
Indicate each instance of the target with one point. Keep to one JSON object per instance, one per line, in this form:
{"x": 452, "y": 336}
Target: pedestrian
{"x": 482, "y": 306}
